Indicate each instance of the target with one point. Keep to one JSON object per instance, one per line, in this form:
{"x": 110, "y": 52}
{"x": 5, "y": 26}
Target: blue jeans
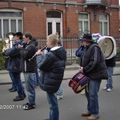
{"x": 109, "y": 80}
{"x": 60, "y": 91}
{"x": 54, "y": 110}
{"x": 37, "y": 76}
{"x": 30, "y": 82}
{"x": 17, "y": 81}
{"x": 92, "y": 96}
{"x": 14, "y": 86}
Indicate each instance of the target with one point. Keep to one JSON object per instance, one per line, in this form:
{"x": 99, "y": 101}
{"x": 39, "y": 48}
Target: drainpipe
{"x": 9, "y": 3}
{"x": 65, "y": 19}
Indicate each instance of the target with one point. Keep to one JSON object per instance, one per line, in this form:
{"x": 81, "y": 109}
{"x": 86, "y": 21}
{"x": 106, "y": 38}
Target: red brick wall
{"x": 72, "y": 22}
{"x": 34, "y": 17}
{"x": 34, "y": 20}
{"x": 113, "y": 2}
{"x": 114, "y": 23}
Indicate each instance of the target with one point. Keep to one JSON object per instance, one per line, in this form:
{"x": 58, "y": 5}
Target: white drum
{"x": 108, "y": 46}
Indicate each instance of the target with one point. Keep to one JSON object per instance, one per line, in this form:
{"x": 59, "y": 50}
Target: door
{"x": 54, "y": 26}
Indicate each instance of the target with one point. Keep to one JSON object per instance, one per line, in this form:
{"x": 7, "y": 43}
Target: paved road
{"x": 70, "y": 106}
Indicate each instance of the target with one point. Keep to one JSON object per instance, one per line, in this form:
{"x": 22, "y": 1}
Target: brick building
{"x": 119, "y": 15}
{"x": 70, "y": 18}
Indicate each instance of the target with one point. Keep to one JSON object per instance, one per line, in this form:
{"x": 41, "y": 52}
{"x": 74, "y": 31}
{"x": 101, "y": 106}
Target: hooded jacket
{"x": 52, "y": 69}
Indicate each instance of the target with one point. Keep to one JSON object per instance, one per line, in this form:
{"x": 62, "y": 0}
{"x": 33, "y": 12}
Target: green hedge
{"x": 2, "y": 60}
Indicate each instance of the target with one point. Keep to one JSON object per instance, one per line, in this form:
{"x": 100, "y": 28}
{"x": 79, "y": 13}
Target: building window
{"x": 54, "y": 23}
{"x": 10, "y": 21}
{"x": 84, "y": 25}
{"x": 104, "y": 24}
{"x": 53, "y": 14}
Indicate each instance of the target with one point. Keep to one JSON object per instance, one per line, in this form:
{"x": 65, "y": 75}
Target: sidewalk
{"x": 69, "y": 72}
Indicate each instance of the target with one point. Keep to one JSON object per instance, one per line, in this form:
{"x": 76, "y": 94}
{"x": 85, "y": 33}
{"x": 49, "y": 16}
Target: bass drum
{"x": 108, "y": 46}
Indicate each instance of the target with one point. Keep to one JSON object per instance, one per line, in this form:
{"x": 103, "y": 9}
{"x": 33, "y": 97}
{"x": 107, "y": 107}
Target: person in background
{"x": 110, "y": 63}
{"x": 35, "y": 43}
{"x": 29, "y": 67}
{"x": 52, "y": 68}
{"x": 93, "y": 66}
{"x": 13, "y": 88}
{"x": 79, "y": 53}
{"x": 14, "y": 66}
{"x": 59, "y": 93}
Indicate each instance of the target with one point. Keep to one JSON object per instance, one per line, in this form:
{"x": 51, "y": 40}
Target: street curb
{"x": 7, "y": 83}
{"x": 68, "y": 67}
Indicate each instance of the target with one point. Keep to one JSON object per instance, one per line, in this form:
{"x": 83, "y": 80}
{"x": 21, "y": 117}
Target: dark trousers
{"x": 18, "y": 83}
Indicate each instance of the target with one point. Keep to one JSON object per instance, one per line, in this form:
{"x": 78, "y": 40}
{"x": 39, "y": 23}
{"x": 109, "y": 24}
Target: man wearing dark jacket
{"x": 110, "y": 63}
{"x": 28, "y": 66}
{"x": 93, "y": 66}
{"x": 14, "y": 66}
{"x": 52, "y": 68}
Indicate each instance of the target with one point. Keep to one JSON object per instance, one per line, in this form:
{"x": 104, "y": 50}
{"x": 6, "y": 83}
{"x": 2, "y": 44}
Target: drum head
{"x": 107, "y": 47}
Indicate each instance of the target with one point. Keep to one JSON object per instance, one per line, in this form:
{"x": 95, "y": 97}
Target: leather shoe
{"x": 19, "y": 98}
{"x": 28, "y": 106}
{"x": 12, "y": 89}
{"x": 85, "y": 114}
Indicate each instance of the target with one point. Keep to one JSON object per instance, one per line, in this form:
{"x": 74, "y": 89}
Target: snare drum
{"x": 78, "y": 82}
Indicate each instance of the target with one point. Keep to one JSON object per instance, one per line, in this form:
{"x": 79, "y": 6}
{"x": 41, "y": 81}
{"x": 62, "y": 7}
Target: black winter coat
{"x": 111, "y": 62}
{"x": 52, "y": 69}
{"x": 93, "y": 63}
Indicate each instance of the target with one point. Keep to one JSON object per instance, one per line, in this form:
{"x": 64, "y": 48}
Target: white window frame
{"x": 83, "y": 23}
{"x": 103, "y": 22}
{"x": 9, "y": 19}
